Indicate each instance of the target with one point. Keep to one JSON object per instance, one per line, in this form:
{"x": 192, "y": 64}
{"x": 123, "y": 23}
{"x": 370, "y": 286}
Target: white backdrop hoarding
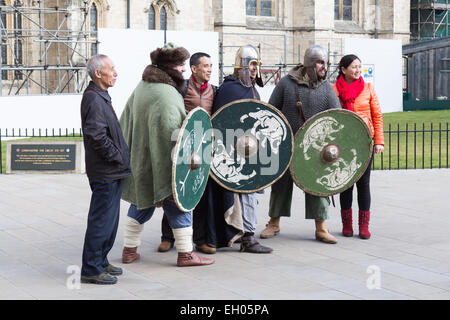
{"x": 40, "y": 111}
{"x": 130, "y": 51}
{"x": 385, "y": 58}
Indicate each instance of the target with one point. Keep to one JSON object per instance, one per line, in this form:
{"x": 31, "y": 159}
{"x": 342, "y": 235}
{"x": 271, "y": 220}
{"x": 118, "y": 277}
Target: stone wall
{"x": 282, "y": 37}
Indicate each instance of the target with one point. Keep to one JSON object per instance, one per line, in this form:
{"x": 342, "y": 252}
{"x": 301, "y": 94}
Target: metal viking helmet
{"x": 244, "y": 57}
{"x": 313, "y": 54}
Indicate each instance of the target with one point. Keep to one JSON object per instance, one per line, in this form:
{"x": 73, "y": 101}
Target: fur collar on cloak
{"x": 171, "y": 77}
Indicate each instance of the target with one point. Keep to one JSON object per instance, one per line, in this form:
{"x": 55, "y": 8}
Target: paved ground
{"x": 43, "y": 220}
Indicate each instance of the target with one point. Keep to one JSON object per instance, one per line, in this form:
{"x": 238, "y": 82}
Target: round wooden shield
{"x": 331, "y": 152}
{"x": 253, "y": 145}
{"x": 191, "y": 159}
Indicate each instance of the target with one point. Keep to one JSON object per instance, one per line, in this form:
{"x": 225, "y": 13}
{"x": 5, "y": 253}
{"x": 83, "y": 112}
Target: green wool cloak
{"x": 150, "y": 122}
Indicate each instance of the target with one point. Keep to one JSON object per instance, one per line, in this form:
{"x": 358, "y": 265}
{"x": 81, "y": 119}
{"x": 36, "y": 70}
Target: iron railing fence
{"x": 414, "y": 146}
{"x": 410, "y": 146}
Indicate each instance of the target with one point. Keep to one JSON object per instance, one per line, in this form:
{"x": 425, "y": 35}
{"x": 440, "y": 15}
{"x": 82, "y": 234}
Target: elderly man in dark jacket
{"x": 107, "y": 164}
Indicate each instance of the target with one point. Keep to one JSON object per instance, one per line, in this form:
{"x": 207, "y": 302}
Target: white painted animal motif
{"x": 267, "y": 127}
{"x": 340, "y": 173}
{"x": 320, "y": 134}
{"x": 198, "y": 181}
{"x": 224, "y": 166}
{"x": 188, "y": 147}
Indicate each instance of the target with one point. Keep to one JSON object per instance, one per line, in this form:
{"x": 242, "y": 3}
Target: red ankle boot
{"x": 347, "y": 222}
{"x": 364, "y": 218}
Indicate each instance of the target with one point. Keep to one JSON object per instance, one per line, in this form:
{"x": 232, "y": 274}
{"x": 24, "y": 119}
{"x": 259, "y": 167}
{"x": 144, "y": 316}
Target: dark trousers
{"x": 363, "y": 189}
{"x": 166, "y": 231}
{"x": 103, "y": 220}
{"x": 203, "y": 219}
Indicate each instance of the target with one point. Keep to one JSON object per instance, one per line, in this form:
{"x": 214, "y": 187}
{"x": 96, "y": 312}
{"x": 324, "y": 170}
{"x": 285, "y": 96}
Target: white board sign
{"x": 385, "y": 56}
{"x": 368, "y": 73}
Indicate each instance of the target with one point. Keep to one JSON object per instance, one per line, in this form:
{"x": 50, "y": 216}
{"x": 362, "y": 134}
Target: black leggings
{"x": 363, "y": 190}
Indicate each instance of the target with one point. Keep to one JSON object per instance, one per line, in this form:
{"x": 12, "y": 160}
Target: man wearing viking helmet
{"x": 302, "y": 93}
{"x": 241, "y": 85}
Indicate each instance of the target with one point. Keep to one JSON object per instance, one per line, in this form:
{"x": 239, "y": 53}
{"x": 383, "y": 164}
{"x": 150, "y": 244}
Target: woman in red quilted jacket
{"x": 357, "y": 96}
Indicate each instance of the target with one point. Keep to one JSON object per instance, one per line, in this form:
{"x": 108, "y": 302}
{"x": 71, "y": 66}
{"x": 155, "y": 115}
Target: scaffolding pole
{"x": 430, "y": 19}
{"x": 44, "y": 47}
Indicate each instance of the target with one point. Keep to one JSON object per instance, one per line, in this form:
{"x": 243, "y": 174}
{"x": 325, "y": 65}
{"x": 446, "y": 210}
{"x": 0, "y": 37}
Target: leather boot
{"x": 165, "y": 246}
{"x": 249, "y": 244}
{"x": 189, "y": 259}
{"x": 129, "y": 255}
{"x": 347, "y": 223}
{"x": 325, "y": 236}
{"x": 205, "y": 249}
{"x": 272, "y": 228}
{"x": 322, "y": 233}
{"x": 363, "y": 219}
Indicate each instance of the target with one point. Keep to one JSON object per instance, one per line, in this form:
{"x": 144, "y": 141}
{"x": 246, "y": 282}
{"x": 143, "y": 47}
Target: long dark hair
{"x": 345, "y": 62}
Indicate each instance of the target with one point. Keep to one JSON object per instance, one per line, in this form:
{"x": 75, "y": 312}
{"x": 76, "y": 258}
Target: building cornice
{"x": 227, "y": 24}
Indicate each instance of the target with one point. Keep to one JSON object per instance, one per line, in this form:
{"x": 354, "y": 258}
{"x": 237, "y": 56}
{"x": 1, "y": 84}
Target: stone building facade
{"x": 281, "y": 29}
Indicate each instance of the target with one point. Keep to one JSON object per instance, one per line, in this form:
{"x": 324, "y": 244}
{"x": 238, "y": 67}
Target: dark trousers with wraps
{"x": 103, "y": 220}
{"x": 209, "y": 225}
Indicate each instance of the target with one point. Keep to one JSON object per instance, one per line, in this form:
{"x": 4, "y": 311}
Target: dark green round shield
{"x": 253, "y": 145}
{"x": 331, "y": 152}
{"x": 191, "y": 159}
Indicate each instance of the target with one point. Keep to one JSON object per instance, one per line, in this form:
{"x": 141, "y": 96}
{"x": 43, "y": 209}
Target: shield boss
{"x": 331, "y": 152}
{"x": 253, "y": 145}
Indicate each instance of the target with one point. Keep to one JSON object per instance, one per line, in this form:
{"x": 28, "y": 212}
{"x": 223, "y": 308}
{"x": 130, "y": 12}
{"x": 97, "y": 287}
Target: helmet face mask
{"x": 316, "y": 55}
{"x": 245, "y": 57}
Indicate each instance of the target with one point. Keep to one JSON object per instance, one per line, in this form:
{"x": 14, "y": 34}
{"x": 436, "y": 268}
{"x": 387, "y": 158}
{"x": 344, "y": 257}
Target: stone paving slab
{"x": 43, "y": 220}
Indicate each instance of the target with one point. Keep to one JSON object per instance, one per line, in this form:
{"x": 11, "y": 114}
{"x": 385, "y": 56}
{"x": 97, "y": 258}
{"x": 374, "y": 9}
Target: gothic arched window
{"x": 93, "y": 17}
{"x": 93, "y": 22}
{"x": 151, "y": 18}
{"x": 18, "y": 54}
{"x": 17, "y": 19}
{"x": 163, "y": 19}
{"x": 3, "y": 44}
{"x": 259, "y": 7}
{"x": 3, "y": 14}
{"x": 343, "y": 10}
{"x": 250, "y": 7}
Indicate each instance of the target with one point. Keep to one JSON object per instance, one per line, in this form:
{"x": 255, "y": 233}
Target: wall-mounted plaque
{"x": 44, "y": 156}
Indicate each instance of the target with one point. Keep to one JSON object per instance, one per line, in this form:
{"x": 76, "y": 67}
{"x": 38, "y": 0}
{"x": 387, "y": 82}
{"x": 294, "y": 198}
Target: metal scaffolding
{"x": 44, "y": 46}
{"x": 278, "y": 53}
{"x": 430, "y": 19}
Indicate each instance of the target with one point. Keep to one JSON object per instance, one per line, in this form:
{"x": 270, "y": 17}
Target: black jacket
{"x": 106, "y": 152}
{"x": 232, "y": 90}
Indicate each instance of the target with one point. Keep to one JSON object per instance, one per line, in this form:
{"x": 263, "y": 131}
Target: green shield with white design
{"x": 331, "y": 152}
{"x": 191, "y": 159}
{"x": 253, "y": 145}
